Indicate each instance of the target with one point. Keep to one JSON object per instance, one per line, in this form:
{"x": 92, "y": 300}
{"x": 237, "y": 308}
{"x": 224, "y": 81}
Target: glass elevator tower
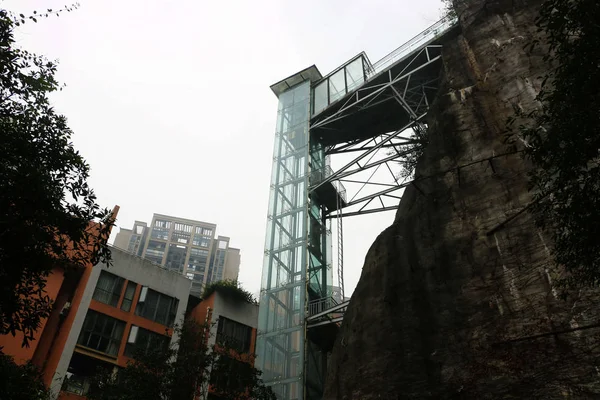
{"x": 297, "y": 264}
{"x": 360, "y": 109}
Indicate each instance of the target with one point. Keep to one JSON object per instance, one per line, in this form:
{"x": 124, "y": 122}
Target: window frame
{"x": 142, "y": 310}
{"x": 132, "y": 346}
{"x": 113, "y": 294}
{"x": 241, "y": 345}
{"x": 130, "y": 284}
{"x": 91, "y": 320}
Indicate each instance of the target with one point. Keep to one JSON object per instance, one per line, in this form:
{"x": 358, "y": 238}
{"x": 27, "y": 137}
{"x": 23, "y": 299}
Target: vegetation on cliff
{"x": 561, "y": 138}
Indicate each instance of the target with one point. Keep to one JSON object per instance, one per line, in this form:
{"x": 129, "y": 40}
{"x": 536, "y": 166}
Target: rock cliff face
{"x": 456, "y": 298}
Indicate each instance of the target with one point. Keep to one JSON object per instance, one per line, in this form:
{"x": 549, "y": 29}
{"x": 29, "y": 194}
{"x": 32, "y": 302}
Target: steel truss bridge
{"x": 372, "y": 116}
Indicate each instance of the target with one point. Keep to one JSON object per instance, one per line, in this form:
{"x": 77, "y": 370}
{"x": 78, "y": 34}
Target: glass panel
{"x": 155, "y": 251}
{"x": 108, "y": 288}
{"x": 128, "y": 297}
{"x": 197, "y": 260}
{"x": 180, "y": 237}
{"x": 337, "y": 86}
{"x": 320, "y": 97}
{"x": 355, "y": 74}
{"x": 160, "y": 233}
{"x": 176, "y": 257}
{"x": 157, "y": 307}
{"x": 280, "y": 335}
{"x": 102, "y": 333}
{"x": 144, "y": 341}
{"x": 233, "y": 335}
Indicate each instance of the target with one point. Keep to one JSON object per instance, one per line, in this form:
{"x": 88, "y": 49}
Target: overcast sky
{"x": 171, "y": 106}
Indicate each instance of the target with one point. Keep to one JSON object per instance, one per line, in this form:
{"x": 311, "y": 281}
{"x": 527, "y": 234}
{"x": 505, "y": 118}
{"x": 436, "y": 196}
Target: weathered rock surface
{"x": 455, "y": 298}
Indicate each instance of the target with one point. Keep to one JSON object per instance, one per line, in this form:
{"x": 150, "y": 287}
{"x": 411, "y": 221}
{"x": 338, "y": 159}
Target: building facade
{"x": 233, "y": 324}
{"x": 130, "y": 305}
{"x": 189, "y": 247}
{"x": 65, "y": 286}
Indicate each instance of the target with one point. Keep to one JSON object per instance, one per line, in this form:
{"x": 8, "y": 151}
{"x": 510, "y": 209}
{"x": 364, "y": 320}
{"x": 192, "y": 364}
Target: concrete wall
{"x": 122, "y": 238}
{"x": 130, "y": 268}
{"x": 241, "y": 312}
{"x": 231, "y": 270}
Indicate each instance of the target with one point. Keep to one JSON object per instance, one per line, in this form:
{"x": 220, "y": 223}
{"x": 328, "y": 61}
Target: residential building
{"x": 234, "y": 325}
{"x": 65, "y": 286}
{"x": 132, "y": 240}
{"x": 187, "y": 246}
{"x": 130, "y": 305}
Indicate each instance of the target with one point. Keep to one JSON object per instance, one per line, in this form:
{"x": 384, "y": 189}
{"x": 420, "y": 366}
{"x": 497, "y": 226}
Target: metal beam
{"x": 374, "y": 93}
{"x": 329, "y": 310}
{"x": 362, "y": 212}
{"x": 329, "y": 321}
{"x": 336, "y": 175}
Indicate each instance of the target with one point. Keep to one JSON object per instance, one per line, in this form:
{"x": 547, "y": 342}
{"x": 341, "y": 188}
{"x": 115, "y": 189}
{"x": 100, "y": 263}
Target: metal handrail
{"x": 373, "y": 69}
{"x": 320, "y": 305}
{"x": 435, "y": 30}
{"x": 319, "y": 175}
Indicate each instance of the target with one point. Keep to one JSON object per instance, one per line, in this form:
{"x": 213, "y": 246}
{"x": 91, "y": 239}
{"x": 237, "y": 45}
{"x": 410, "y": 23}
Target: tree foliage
{"x": 20, "y": 382}
{"x": 562, "y": 138}
{"x": 231, "y": 289}
{"x": 46, "y": 204}
{"x": 185, "y": 370}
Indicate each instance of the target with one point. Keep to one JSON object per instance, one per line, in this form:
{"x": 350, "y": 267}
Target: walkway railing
{"x": 435, "y": 30}
{"x": 319, "y": 175}
{"x": 320, "y": 305}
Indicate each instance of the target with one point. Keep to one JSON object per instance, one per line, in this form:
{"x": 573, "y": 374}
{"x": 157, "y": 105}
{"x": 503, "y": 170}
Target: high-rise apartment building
{"x": 189, "y": 247}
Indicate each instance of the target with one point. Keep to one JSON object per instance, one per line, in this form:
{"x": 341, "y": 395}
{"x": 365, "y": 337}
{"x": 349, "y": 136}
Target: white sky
{"x": 171, "y": 106}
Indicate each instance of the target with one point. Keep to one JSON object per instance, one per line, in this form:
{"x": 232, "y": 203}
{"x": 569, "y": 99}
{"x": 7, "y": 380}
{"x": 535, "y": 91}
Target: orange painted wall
{"x": 56, "y": 347}
{"x": 200, "y": 312}
{"x": 46, "y": 351}
{"x": 12, "y": 344}
{"x": 70, "y": 396}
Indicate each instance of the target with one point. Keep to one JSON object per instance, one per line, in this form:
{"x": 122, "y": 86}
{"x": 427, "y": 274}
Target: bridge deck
{"x": 409, "y": 74}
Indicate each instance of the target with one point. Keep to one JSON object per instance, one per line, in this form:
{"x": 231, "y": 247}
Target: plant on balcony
{"x": 230, "y": 289}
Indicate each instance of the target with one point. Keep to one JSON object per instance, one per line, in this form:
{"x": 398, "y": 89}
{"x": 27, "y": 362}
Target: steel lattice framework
{"x": 373, "y": 116}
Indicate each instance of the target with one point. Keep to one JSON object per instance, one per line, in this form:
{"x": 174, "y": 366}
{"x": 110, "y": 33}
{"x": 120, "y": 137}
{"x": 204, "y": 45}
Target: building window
{"x": 222, "y": 244}
{"x": 201, "y": 241}
{"x": 183, "y": 227}
{"x": 204, "y": 231}
{"x": 180, "y": 237}
{"x": 155, "y": 251}
{"x": 197, "y": 260}
{"x": 108, "y": 288}
{"x": 234, "y": 335}
{"x": 141, "y": 340}
{"x": 128, "y": 297}
{"x": 162, "y": 224}
{"x": 176, "y": 257}
{"x": 160, "y": 233}
{"x": 156, "y": 306}
{"x": 102, "y": 333}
